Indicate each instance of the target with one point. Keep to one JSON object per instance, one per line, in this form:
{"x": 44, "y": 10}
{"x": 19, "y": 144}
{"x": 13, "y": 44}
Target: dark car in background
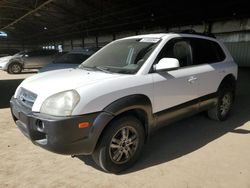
{"x": 8, "y": 52}
{"x": 70, "y": 60}
{"x": 30, "y": 59}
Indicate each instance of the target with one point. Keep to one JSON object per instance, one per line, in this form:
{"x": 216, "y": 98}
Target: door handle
{"x": 192, "y": 79}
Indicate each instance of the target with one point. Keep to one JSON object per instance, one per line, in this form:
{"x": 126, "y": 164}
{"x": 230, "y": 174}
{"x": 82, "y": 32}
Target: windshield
{"x": 72, "y": 58}
{"x": 123, "y": 56}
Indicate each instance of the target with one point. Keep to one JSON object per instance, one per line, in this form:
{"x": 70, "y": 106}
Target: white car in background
{"x": 110, "y": 105}
{"x": 29, "y": 59}
{"x": 4, "y": 61}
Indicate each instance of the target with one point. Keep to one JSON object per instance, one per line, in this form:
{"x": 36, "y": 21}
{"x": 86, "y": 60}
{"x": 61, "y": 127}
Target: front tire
{"x": 120, "y": 145}
{"x": 15, "y": 68}
{"x": 224, "y": 104}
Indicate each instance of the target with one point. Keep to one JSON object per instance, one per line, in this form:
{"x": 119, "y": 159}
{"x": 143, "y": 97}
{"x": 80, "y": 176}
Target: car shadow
{"x": 27, "y": 71}
{"x": 191, "y": 134}
{"x": 31, "y": 72}
{"x": 7, "y": 90}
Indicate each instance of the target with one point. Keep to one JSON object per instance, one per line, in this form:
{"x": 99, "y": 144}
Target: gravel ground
{"x": 195, "y": 152}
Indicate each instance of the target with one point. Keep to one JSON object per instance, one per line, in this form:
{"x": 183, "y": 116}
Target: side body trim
{"x": 181, "y": 111}
{"x": 162, "y": 118}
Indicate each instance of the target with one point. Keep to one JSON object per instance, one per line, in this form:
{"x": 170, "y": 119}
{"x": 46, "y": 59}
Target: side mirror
{"x": 167, "y": 64}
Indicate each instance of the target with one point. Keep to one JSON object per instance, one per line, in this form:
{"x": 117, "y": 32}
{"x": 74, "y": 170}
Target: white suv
{"x": 111, "y": 103}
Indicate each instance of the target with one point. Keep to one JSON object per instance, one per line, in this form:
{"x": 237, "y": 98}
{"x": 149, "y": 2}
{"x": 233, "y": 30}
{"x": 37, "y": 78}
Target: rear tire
{"x": 120, "y": 145}
{"x": 15, "y": 68}
{"x": 224, "y": 104}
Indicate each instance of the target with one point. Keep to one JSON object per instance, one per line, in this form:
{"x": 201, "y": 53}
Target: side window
{"x": 47, "y": 52}
{"x": 206, "y": 51}
{"x": 179, "y": 49}
{"x": 41, "y": 53}
{"x": 33, "y": 53}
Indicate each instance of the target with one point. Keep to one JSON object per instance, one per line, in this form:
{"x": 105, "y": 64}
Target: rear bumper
{"x": 60, "y": 134}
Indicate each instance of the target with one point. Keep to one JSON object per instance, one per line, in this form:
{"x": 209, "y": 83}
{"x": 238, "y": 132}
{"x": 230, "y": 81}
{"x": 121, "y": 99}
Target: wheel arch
{"x": 14, "y": 61}
{"x": 137, "y": 105}
{"x": 228, "y": 81}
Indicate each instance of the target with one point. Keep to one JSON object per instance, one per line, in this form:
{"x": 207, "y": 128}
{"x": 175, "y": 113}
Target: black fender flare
{"x": 231, "y": 83}
{"x": 228, "y": 79}
{"x": 138, "y": 103}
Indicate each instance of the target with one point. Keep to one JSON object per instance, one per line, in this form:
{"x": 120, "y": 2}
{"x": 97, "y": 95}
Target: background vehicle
{"x": 110, "y": 105}
{"x": 8, "y": 52}
{"x": 69, "y": 60}
{"x": 27, "y": 60}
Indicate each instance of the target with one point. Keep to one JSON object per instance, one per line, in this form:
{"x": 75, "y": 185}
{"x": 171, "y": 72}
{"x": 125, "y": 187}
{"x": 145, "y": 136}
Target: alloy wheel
{"x": 123, "y": 145}
{"x": 225, "y": 104}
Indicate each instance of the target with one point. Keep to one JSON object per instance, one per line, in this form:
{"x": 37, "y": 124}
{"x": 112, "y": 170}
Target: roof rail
{"x": 191, "y": 31}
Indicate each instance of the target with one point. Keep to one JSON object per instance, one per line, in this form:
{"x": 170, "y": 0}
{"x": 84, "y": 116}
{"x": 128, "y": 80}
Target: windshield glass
{"x": 72, "y": 58}
{"x": 123, "y": 56}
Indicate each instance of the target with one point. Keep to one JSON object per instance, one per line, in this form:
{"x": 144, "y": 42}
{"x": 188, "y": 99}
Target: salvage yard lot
{"x": 195, "y": 152}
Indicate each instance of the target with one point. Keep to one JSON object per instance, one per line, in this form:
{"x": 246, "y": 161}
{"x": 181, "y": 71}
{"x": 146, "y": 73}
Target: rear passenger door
{"x": 208, "y": 60}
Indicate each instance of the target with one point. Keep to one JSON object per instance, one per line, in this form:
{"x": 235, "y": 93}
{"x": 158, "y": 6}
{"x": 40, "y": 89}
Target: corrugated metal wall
{"x": 234, "y": 33}
{"x": 14, "y": 45}
{"x": 240, "y": 52}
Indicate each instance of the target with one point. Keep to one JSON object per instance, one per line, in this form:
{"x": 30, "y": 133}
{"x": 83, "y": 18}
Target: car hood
{"x": 52, "y": 82}
{"x": 60, "y": 80}
{"x": 4, "y": 59}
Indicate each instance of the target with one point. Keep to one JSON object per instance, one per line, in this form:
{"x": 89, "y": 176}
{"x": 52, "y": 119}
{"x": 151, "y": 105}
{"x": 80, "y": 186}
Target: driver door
{"x": 175, "y": 88}
{"x": 31, "y": 59}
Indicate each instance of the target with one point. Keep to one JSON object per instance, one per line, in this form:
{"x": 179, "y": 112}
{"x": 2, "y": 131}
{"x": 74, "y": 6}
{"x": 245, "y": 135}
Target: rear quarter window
{"x": 206, "y": 51}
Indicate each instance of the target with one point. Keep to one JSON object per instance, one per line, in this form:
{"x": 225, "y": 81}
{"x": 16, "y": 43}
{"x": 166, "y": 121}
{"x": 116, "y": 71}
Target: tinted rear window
{"x": 206, "y": 51}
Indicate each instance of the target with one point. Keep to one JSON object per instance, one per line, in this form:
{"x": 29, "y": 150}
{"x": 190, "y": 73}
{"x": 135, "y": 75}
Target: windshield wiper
{"x": 103, "y": 69}
{"x": 85, "y": 67}
{"x": 100, "y": 68}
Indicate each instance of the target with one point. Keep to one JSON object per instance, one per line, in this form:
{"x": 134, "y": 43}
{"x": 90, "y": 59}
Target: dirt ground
{"x": 193, "y": 153}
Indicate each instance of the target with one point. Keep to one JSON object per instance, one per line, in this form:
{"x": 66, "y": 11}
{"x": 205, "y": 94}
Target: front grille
{"x": 26, "y": 97}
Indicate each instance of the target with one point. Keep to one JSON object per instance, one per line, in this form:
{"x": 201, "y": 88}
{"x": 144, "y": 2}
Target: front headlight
{"x": 61, "y": 104}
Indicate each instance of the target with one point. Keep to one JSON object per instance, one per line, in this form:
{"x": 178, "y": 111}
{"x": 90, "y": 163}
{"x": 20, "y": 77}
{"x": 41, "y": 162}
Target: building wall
{"x": 234, "y": 33}
{"x": 240, "y": 52}
{"x": 14, "y": 45}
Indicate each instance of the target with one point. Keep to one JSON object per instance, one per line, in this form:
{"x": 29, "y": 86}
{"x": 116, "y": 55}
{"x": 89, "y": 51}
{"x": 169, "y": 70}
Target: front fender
{"x": 133, "y": 102}
{"x": 16, "y": 60}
